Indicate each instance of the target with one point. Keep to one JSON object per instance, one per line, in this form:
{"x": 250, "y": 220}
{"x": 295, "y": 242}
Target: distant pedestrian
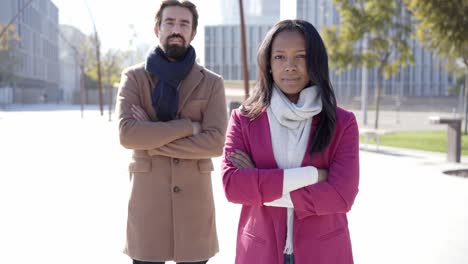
{"x": 292, "y": 156}
{"x": 44, "y": 98}
{"x": 172, "y": 113}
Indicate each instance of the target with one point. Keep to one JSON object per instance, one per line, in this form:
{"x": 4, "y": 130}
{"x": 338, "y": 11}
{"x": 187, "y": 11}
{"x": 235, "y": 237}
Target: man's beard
{"x": 175, "y": 51}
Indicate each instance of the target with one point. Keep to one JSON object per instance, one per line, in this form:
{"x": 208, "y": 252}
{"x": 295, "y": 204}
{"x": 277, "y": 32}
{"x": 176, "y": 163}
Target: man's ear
{"x": 193, "y": 35}
{"x": 156, "y": 30}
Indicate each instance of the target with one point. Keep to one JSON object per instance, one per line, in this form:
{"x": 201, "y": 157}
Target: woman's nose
{"x": 291, "y": 65}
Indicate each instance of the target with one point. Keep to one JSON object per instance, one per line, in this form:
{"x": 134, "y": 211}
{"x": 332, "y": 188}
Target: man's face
{"x": 175, "y": 32}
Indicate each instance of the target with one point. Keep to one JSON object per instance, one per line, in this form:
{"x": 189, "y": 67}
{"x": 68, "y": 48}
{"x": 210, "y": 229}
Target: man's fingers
{"x": 245, "y": 158}
{"x": 238, "y": 163}
{"x": 241, "y": 161}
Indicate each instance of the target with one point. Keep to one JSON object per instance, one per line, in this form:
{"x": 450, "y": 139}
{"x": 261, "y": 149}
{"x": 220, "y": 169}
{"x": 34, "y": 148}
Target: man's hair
{"x": 182, "y": 3}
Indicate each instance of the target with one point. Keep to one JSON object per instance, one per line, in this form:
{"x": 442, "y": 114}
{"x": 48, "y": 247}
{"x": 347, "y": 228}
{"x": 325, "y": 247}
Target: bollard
{"x": 453, "y": 136}
{"x": 233, "y": 105}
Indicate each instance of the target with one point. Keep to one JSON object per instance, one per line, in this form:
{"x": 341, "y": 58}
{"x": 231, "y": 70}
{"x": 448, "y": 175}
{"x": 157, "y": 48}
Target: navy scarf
{"x": 165, "y": 96}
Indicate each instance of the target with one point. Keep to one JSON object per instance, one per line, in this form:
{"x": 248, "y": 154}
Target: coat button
{"x": 176, "y": 189}
{"x": 176, "y": 161}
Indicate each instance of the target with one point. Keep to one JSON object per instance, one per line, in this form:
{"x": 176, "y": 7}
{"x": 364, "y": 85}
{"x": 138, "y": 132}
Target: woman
{"x": 291, "y": 156}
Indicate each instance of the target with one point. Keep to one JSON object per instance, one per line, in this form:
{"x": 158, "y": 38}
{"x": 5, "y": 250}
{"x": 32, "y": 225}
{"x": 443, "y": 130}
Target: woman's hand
{"x": 322, "y": 175}
{"x": 139, "y": 114}
{"x": 241, "y": 160}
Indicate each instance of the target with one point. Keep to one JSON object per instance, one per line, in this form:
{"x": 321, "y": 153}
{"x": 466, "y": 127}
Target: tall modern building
{"x": 256, "y": 12}
{"x": 223, "y": 42}
{"x": 427, "y": 77}
{"x": 70, "y": 41}
{"x": 37, "y": 71}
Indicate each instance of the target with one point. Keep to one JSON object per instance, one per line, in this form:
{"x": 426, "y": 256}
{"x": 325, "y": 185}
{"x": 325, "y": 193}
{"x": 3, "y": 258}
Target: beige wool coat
{"x": 171, "y": 214}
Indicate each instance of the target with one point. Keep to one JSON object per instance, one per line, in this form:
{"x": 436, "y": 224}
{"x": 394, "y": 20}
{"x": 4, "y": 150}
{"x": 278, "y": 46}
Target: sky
{"x": 113, "y": 20}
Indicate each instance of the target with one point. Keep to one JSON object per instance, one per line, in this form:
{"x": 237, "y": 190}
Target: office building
{"x": 37, "y": 70}
{"x": 70, "y": 41}
{"x": 223, "y": 42}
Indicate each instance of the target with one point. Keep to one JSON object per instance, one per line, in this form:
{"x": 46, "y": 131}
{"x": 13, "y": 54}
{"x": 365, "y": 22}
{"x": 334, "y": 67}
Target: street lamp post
{"x": 244, "y": 51}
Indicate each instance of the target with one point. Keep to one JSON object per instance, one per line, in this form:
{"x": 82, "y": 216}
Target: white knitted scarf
{"x": 290, "y": 129}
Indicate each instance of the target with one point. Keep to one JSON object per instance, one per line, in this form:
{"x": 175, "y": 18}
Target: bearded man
{"x": 173, "y": 116}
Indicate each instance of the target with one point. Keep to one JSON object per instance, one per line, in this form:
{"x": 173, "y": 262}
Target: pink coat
{"x": 321, "y": 234}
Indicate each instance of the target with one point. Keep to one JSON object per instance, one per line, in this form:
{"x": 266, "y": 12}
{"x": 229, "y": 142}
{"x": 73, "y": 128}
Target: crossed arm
{"x": 333, "y": 192}
{"x": 292, "y": 179}
{"x": 180, "y": 138}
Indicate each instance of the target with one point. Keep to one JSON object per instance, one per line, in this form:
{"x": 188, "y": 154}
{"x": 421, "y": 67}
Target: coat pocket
{"x": 253, "y": 237}
{"x": 205, "y": 166}
{"x": 331, "y": 234}
{"x": 139, "y": 165}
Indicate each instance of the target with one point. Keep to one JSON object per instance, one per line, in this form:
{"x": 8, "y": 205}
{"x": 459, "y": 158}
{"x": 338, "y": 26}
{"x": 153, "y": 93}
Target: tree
{"x": 112, "y": 63}
{"x": 8, "y": 62}
{"x": 443, "y": 27}
{"x": 112, "y": 66}
{"x": 371, "y": 34}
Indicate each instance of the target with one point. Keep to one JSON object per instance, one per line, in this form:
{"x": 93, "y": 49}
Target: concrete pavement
{"x": 64, "y": 184}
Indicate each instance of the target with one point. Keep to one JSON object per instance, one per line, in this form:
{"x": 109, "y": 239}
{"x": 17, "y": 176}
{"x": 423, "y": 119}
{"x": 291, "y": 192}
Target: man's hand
{"x": 139, "y": 114}
{"x": 196, "y": 128}
{"x": 241, "y": 160}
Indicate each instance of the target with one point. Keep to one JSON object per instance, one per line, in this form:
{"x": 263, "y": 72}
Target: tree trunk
{"x": 98, "y": 58}
{"x": 110, "y": 94}
{"x": 465, "y": 130}
{"x": 377, "y": 97}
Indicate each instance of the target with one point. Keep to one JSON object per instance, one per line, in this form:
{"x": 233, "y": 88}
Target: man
{"x": 172, "y": 114}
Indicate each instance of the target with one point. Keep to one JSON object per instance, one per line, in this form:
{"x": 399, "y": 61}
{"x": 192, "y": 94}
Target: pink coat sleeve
{"x": 252, "y": 186}
{"x": 337, "y": 194}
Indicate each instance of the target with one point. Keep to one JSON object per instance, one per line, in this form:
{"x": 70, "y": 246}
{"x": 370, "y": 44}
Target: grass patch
{"x": 422, "y": 140}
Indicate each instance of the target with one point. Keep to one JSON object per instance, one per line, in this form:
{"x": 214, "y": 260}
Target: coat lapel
{"x": 260, "y": 139}
{"x": 189, "y": 84}
{"x": 151, "y": 80}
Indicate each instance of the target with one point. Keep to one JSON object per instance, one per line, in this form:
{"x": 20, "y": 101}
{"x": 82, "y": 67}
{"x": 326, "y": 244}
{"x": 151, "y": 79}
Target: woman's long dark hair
{"x": 317, "y": 67}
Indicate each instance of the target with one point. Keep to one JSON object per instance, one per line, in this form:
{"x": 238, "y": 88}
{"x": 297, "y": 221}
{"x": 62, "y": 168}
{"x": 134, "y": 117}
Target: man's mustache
{"x": 176, "y": 36}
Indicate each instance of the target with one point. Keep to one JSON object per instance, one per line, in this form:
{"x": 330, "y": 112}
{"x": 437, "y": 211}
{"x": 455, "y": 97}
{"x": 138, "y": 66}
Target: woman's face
{"x": 288, "y": 63}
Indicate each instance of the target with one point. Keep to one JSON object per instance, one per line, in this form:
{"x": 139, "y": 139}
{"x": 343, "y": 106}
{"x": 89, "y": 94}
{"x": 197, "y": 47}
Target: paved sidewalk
{"x": 64, "y": 187}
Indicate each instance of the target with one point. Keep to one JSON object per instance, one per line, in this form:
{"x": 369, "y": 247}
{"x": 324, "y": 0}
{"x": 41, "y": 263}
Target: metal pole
{"x": 82, "y": 89}
{"x": 465, "y": 130}
{"x": 98, "y": 59}
{"x": 244, "y": 51}
{"x": 110, "y": 95}
{"x": 364, "y": 97}
{"x": 364, "y": 87}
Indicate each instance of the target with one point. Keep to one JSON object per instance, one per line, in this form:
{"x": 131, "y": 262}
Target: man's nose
{"x": 176, "y": 29}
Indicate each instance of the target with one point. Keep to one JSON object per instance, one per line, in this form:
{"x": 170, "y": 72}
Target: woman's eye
{"x": 278, "y": 57}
